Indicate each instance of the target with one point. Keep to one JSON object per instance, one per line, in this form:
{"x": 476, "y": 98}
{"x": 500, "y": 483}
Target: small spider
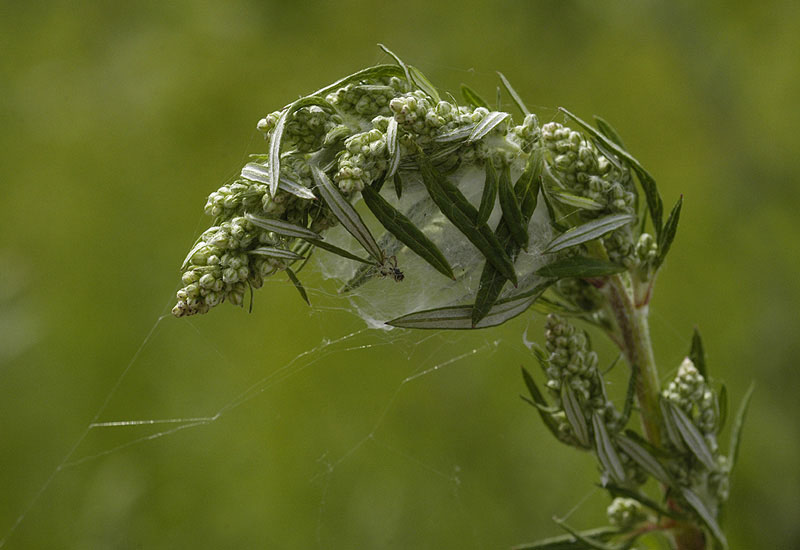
{"x": 388, "y": 268}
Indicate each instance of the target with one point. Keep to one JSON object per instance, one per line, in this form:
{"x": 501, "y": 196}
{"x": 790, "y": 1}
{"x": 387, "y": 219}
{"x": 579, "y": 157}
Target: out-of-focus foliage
{"x": 117, "y": 119}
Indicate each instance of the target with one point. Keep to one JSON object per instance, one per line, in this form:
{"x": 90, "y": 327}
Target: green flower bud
{"x": 624, "y": 513}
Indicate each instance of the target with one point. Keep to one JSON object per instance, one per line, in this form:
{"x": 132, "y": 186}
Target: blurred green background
{"x": 118, "y": 118}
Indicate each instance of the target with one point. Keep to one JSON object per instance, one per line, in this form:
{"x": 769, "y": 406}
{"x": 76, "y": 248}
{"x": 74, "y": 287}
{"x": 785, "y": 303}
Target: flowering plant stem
{"x": 565, "y": 219}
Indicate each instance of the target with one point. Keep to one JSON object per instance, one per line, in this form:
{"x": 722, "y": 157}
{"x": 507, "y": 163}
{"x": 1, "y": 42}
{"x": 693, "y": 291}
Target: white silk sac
{"x": 378, "y": 297}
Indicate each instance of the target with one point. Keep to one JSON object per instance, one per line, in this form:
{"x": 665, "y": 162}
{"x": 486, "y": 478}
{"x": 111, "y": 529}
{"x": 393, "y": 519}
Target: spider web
{"x": 396, "y": 383}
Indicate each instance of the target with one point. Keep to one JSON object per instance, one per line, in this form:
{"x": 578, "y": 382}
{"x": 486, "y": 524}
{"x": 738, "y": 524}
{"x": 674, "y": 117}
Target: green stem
{"x": 638, "y": 350}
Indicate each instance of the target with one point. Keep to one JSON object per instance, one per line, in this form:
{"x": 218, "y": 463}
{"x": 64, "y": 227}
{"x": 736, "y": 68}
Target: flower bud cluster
{"x": 220, "y": 268}
{"x": 366, "y": 101}
{"x": 345, "y": 133}
{"x": 571, "y": 362}
{"x": 690, "y": 392}
{"x": 364, "y": 159}
{"x": 585, "y": 171}
{"x": 624, "y": 513}
{"x": 583, "y": 295}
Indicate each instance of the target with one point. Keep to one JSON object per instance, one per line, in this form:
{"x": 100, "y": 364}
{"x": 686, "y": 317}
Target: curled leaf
{"x": 345, "y": 213}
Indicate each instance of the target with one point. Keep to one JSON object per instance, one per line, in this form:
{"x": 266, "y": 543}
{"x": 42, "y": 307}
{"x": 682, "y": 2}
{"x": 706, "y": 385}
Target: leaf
{"x": 393, "y": 147}
{"x": 422, "y": 82}
{"x": 282, "y": 228}
{"x": 398, "y": 185}
{"x": 259, "y": 173}
{"x": 526, "y": 190}
{"x": 569, "y": 542}
{"x": 460, "y": 317}
{"x": 464, "y": 216}
{"x": 489, "y": 193}
{"x": 472, "y": 97}
{"x": 397, "y": 60}
{"x": 606, "y": 452}
{"x": 607, "y": 130}
{"x": 514, "y": 95}
{"x": 738, "y": 424}
{"x": 455, "y": 135}
{"x": 691, "y": 435}
{"x": 345, "y": 213}
{"x": 406, "y": 232}
{"x": 630, "y": 394}
{"x": 670, "y": 426}
{"x": 588, "y": 542}
{"x": 697, "y": 354}
{"x": 339, "y": 251}
{"x": 541, "y": 403}
{"x": 705, "y": 514}
{"x": 579, "y": 267}
{"x": 512, "y": 212}
{"x": 277, "y": 136}
{"x": 722, "y": 408}
{"x": 486, "y": 125}
{"x": 298, "y": 285}
{"x": 643, "y": 458}
{"x": 589, "y": 231}
{"x": 668, "y": 234}
{"x": 647, "y": 182}
{"x": 370, "y": 73}
{"x": 272, "y": 252}
{"x": 577, "y": 201}
{"x": 574, "y": 412}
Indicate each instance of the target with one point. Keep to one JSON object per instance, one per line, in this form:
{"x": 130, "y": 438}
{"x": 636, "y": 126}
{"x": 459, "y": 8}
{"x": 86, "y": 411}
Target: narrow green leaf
{"x": 514, "y": 95}
{"x": 738, "y": 424}
{"x": 588, "y": 231}
{"x": 606, "y": 452}
{"x": 541, "y": 403}
{"x": 298, "y": 285}
{"x": 458, "y": 134}
{"x": 512, "y": 211}
{"x": 398, "y": 185}
{"x": 722, "y": 408}
{"x": 569, "y": 542}
{"x": 579, "y": 267}
{"x": 607, "y": 130}
{"x": 374, "y": 73}
{"x": 670, "y": 426}
{"x": 643, "y": 458}
{"x": 345, "y": 213}
{"x": 260, "y": 174}
{"x": 393, "y": 147}
{"x": 282, "y": 228}
{"x": 691, "y": 435}
{"x": 668, "y": 234}
{"x": 647, "y": 182}
{"x": 697, "y": 354}
{"x": 526, "y": 190}
{"x": 422, "y": 82}
{"x": 272, "y": 252}
{"x": 339, "y": 251}
{"x": 705, "y": 514}
{"x": 460, "y": 317}
{"x": 489, "y": 193}
{"x": 197, "y": 246}
{"x": 630, "y": 394}
{"x": 464, "y": 216}
{"x": 574, "y": 412}
{"x": 486, "y": 125}
{"x": 397, "y": 60}
{"x": 577, "y": 201}
{"x": 406, "y": 232}
{"x": 588, "y": 542}
{"x": 472, "y": 97}
{"x": 277, "y": 136}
